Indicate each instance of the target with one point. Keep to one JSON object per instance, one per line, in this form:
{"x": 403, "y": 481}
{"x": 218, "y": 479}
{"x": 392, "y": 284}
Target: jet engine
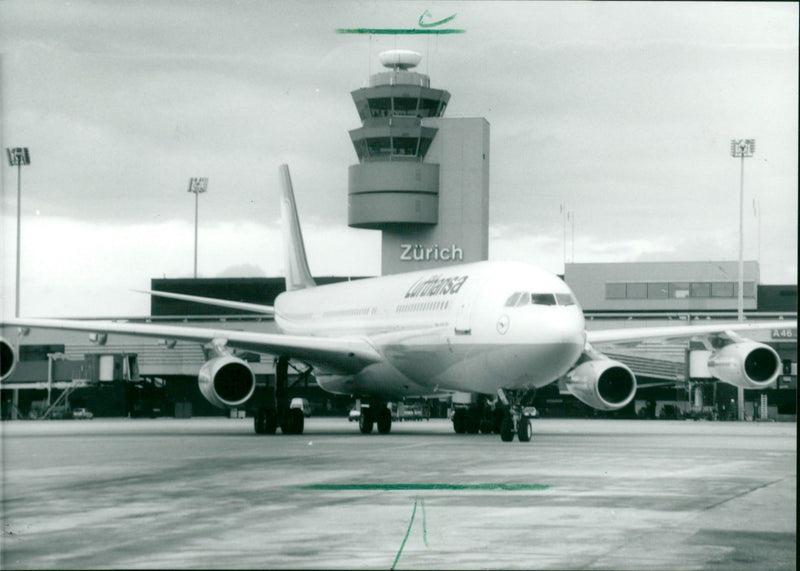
{"x": 602, "y": 383}
{"x": 226, "y": 381}
{"x": 748, "y": 364}
{"x": 8, "y": 359}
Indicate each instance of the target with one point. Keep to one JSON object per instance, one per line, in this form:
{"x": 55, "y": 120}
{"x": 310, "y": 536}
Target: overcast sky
{"x": 622, "y": 111}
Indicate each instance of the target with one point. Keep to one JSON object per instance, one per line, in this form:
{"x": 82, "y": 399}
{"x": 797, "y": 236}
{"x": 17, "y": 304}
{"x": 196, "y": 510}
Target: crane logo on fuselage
{"x": 436, "y": 285}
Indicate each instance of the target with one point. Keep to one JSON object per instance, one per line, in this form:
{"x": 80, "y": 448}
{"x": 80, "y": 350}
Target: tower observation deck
{"x": 392, "y": 185}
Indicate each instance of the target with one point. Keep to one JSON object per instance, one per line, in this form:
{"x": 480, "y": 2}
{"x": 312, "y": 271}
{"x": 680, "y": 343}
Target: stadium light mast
{"x": 197, "y": 186}
{"x": 17, "y": 157}
{"x": 742, "y": 148}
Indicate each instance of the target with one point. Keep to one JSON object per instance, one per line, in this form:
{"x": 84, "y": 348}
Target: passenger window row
{"x": 520, "y": 298}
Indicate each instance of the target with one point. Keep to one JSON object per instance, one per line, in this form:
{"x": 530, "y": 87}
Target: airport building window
{"x": 379, "y": 146}
{"x": 679, "y": 290}
{"x": 700, "y": 289}
{"x": 636, "y": 291}
{"x": 722, "y": 289}
{"x": 405, "y": 106}
{"x": 380, "y": 106}
{"x": 657, "y": 291}
{"x": 405, "y": 145}
{"x": 615, "y": 291}
{"x": 749, "y": 289}
{"x": 428, "y": 107}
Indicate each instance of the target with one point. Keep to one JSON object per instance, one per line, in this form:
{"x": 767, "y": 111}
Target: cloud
{"x": 623, "y": 112}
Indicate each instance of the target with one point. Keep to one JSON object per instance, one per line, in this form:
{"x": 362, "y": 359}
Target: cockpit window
{"x": 524, "y": 299}
{"x": 543, "y": 299}
{"x": 565, "y": 299}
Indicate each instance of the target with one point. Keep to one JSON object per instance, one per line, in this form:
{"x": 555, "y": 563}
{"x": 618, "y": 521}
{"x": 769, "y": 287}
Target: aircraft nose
{"x": 573, "y": 328}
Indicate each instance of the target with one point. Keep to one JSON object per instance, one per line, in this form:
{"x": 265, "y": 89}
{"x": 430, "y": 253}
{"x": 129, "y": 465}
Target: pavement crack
{"x": 741, "y": 494}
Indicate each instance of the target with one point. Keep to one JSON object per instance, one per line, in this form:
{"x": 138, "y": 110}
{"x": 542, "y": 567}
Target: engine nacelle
{"x": 227, "y": 381}
{"x": 748, "y": 365}
{"x": 8, "y": 359}
{"x": 602, "y": 383}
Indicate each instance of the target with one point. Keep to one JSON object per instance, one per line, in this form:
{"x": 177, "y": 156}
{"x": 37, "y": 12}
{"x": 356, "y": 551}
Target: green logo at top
{"x": 424, "y": 28}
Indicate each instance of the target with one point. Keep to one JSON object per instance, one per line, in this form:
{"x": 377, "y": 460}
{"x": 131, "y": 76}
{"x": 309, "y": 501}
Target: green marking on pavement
{"x": 424, "y": 523}
{"x": 417, "y": 487}
{"x": 397, "y": 31}
{"x": 408, "y": 531}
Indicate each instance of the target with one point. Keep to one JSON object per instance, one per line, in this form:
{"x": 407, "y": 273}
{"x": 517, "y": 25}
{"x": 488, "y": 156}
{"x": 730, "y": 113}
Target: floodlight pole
{"x": 741, "y": 148}
{"x": 740, "y": 300}
{"x": 563, "y": 208}
{"x": 19, "y": 236}
{"x": 17, "y": 157}
{"x": 197, "y": 186}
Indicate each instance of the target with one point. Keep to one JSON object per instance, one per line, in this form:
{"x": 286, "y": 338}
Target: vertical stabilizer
{"x": 297, "y": 274}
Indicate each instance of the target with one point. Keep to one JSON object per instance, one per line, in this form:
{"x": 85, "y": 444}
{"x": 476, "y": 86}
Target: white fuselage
{"x": 454, "y": 328}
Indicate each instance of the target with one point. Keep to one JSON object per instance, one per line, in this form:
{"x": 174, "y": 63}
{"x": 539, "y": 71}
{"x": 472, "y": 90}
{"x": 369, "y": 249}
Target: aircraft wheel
{"x": 265, "y": 421}
{"x": 459, "y": 422}
{"x": 524, "y": 430}
{"x": 384, "y": 421}
{"x": 473, "y": 423}
{"x": 507, "y": 429}
{"x": 365, "y": 422}
{"x": 295, "y": 421}
{"x": 271, "y": 422}
{"x": 258, "y": 422}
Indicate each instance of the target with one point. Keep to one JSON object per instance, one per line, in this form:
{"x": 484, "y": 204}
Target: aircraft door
{"x": 465, "y": 301}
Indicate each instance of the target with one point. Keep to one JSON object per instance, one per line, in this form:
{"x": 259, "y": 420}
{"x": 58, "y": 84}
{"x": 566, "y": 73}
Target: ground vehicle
{"x": 82, "y": 414}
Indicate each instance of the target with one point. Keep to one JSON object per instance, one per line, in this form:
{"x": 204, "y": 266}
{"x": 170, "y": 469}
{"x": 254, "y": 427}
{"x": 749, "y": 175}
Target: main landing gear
{"x": 375, "y": 413}
{"x": 479, "y": 417}
{"x": 277, "y": 412}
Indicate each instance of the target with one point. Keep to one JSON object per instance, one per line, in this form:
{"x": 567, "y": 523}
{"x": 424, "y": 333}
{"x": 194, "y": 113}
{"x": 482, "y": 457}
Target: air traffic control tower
{"x": 422, "y": 180}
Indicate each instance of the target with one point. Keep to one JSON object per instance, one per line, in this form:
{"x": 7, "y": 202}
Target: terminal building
{"x": 422, "y": 180}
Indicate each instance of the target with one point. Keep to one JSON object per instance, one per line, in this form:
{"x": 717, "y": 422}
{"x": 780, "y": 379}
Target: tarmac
{"x": 583, "y": 494}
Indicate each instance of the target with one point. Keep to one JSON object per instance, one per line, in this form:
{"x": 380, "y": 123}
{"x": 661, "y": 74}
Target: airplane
{"x": 498, "y": 330}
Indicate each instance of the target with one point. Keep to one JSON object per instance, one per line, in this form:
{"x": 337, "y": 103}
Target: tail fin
{"x": 297, "y": 274}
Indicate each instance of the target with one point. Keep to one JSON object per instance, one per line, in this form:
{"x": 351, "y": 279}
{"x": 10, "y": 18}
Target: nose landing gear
{"x": 516, "y": 419}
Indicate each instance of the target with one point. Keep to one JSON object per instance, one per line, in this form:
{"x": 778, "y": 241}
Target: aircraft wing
{"x": 254, "y": 307}
{"x": 344, "y": 355}
{"x": 682, "y": 331}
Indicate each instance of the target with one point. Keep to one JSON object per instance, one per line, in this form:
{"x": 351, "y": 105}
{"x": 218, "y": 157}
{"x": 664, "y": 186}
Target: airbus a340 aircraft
{"x": 495, "y": 329}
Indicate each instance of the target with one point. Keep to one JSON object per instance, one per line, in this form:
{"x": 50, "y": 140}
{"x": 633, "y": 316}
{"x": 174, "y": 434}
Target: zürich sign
{"x": 420, "y": 253}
